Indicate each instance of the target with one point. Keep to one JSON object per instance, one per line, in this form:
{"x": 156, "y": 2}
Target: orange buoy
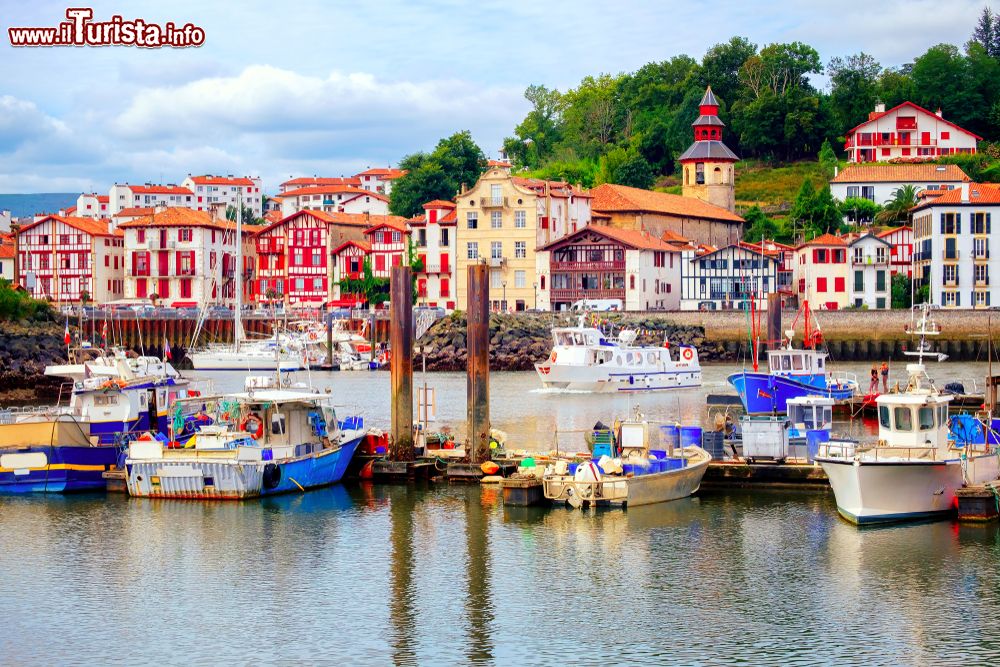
{"x": 490, "y": 468}
{"x": 367, "y": 472}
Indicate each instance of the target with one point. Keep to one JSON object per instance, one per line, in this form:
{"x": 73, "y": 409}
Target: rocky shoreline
{"x": 25, "y": 350}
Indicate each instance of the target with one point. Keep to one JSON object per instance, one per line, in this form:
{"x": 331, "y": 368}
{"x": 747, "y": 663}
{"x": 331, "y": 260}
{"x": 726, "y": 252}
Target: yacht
{"x": 584, "y": 359}
{"x": 915, "y": 467}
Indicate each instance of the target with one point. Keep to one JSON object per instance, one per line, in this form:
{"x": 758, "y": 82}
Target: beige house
{"x": 501, "y": 220}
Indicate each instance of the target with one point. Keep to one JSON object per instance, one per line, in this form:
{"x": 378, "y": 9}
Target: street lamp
{"x": 534, "y": 286}
{"x": 503, "y": 303}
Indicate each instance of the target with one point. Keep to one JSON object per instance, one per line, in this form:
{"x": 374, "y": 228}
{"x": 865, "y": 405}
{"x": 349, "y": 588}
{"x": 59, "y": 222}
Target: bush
{"x": 18, "y": 305}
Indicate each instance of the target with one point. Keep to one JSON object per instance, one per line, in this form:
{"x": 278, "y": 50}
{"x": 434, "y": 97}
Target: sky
{"x": 307, "y": 87}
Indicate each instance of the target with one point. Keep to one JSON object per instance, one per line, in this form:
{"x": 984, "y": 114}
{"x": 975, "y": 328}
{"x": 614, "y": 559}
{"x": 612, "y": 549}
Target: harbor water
{"x": 439, "y": 574}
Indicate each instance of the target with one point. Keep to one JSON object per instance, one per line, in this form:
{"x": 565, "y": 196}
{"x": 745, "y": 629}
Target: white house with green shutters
{"x": 871, "y": 275}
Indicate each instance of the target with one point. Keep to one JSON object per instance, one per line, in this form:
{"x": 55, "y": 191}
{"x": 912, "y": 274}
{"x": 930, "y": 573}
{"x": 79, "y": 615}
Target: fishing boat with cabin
{"x": 915, "y": 468}
{"x": 584, "y": 359}
{"x": 792, "y": 372}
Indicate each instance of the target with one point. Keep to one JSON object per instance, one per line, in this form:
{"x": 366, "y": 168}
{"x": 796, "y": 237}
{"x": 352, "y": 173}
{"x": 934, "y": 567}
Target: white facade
{"x": 434, "y": 242}
{"x": 123, "y": 196}
{"x": 224, "y": 191}
{"x": 955, "y": 252}
{"x": 334, "y": 199}
{"x": 821, "y": 272}
{"x": 906, "y": 132}
{"x": 877, "y": 183}
{"x": 92, "y": 206}
{"x": 870, "y": 282}
{"x": 727, "y": 279}
{"x": 379, "y": 180}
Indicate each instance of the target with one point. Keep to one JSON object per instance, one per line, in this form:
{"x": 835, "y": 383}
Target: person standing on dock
{"x": 885, "y": 377}
{"x": 873, "y": 385}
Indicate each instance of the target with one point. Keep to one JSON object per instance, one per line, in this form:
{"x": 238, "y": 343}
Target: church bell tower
{"x": 708, "y": 164}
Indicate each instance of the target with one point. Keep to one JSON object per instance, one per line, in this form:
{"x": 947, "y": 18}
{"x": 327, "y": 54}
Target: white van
{"x": 597, "y": 304}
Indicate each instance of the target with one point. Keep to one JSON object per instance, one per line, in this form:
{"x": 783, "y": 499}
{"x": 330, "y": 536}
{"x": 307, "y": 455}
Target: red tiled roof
{"x": 901, "y": 173}
{"x": 439, "y": 203}
{"x": 85, "y": 225}
{"x": 71, "y": 210}
{"x": 221, "y": 180}
{"x": 918, "y": 108}
{"x": 610, "y": 198}
{"x": 979, "y": 194}
{"x": 103, "y": 199}
{"x": 825, "y": 239}
{"x": 498, "y": 163}
{"x": 6, "y": 246}
{"x": 333, "y": 189}
{"x": 556, "y": 188}
{"x": 177, "y": 216}
{"x": 363, "y": 245}
{"x": 397, "y": 223}
{"x": 272, "y": 216}
{"x": 673, "y": 237}
{"x": 306, "y": 181}
{"x": 351, "y": 219}
{"x": 159, "y": 190}
{"x": 893, "y": 230}
{"x": 630, "y": 237}
{"x": 134, "y": 212}
{"x": 384, "y": 174}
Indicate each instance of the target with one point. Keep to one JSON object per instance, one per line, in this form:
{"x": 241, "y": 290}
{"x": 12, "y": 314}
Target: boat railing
{"x": 843, "y": 378}
{"x": 877, "y": 452}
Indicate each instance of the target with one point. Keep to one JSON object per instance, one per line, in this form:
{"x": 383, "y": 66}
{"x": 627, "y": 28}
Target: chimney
{"x": 938, "y": 113}
{"x": 965, "y": 191}
{"x": 159, "y": 208}
{"x": 880, "y": 107}
{"x": 836, "y": 170}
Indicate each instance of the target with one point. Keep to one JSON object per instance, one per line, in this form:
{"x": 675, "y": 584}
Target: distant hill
{"x": 23, "y": 205}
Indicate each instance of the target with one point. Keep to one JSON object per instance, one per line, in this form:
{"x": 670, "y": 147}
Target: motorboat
{"x": 584, "y": 359}
{"x": 914, "y": 469}
{"x": 264, "y": 441}
{"x": 792, "y": 372}
{"x": 633, "y": 469}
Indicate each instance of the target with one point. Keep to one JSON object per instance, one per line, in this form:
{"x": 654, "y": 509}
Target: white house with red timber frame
{"x": 225, "y": 191}
{"x": 311, "y": 181}
{"x": 433, "y": 238}
{"x": 906, "y": 132}
{"x": 334, "y": 199}
{"x": 348, "y": 263}
{"x": 379, "y": 180}
{"x": 388, "y": 240}
{"x": 149, "y": 195}
{"x": 61, "y": 257}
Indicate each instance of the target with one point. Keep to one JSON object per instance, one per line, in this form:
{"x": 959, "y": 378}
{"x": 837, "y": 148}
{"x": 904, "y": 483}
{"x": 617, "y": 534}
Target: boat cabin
{"x": 577, "y": 337}
{"x": 810, "y": 413}
{"x": 913, "y": 420}
{"x": 803, "y": 365}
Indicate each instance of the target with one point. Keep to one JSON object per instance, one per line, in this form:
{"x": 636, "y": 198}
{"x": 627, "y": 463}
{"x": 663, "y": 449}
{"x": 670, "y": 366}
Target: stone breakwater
{"x": 519, "y": 341}
{"x": 25, "y": 351}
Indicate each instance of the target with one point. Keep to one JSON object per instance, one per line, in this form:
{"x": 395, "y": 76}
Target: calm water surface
{"x": 363, "y": 574}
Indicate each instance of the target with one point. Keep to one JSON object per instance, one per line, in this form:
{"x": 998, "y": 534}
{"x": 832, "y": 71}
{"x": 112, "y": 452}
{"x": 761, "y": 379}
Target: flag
{"x": 66, "y": 336}
{"x": 166, "y": 349}
{"x": 104, "y": 335}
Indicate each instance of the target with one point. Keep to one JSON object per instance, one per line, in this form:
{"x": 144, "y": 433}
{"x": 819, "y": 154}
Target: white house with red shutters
{"x": 434, "y": 242}
{"x": 148, "y": 195}
{"x": 92, "y": 206}
{"x": 388, "y": 239}
{"x": 379, "y": 180}
{"x": 60, "y": 257}
{"x": 900, "y": 240}
{"x": 906, "y": 132}
{"x": 334, "y": 199}
{"x": 224, "y": 191}
{"x": 821, "y": 272}
{"x": 186, "y": 258}
{"x": 348, "y": 263}
{"x": 311, "y": 181}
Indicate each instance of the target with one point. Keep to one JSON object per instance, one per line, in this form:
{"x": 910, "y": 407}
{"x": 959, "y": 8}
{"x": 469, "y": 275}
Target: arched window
{"x": 718, "y": 174}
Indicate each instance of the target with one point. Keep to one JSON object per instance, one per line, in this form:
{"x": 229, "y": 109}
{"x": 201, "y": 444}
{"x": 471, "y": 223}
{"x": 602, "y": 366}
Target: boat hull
{"x": 204, "y": 479}
{"x": 323, "y": 468}
{"x": 610, "y": 379}
{"x": 762, "y": 393}
{"x": 56, "y": 469}
{"x": 869, "y": 492}
{"x": 211, "y": 362}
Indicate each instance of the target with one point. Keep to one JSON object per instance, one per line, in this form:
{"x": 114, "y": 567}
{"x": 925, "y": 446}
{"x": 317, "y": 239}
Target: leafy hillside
{"x": 773, "y": 188}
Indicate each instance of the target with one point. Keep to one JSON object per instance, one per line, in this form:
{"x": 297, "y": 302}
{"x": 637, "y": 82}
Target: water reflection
{"x": 402, "y": 506}
{"x": 478, "y": 604}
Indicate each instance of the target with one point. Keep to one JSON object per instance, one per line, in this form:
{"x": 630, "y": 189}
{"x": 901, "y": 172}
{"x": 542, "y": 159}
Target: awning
{"x": 345, "y": 303}
{"x": 184, "y": 304}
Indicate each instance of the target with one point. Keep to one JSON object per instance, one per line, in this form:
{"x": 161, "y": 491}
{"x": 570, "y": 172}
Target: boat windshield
{"x": 903, "y": 418}
{"x": 883, "y": 416}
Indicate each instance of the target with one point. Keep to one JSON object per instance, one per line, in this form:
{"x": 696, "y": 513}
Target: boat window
{"x": 819, "y": 362}
{"x": 652, "y": 357}
{"x": 827, "y": 415}
{"x": 786, "y": 363}
{"x": 903, "y": 418}
{"x": 926, "y": 417}
{"x": 808, "y": 362}
{"x": 943, "y": 414}
{"x": 278, "y": 424}
{"x": 797, "y": 362}
{"x": 883, "y": 416}
{"x": 618, "y": 360}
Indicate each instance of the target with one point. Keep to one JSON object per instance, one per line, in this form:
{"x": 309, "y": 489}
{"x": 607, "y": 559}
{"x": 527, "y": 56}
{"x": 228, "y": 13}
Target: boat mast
{"x": 238, "y": 271}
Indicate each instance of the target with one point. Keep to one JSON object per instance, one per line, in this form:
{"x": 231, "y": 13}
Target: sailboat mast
{"x": 238, "y": 271}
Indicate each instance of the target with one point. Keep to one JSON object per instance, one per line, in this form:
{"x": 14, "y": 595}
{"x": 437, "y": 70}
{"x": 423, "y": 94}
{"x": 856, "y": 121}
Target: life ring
{"x": 254, "y": 425}
{"x": 313, "y": 336}
{"x": 688, "y": 354}
{"x": 271, "y": 476}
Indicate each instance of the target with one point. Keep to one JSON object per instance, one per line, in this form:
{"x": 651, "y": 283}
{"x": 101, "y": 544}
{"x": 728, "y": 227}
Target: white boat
{"x": 914, "y": 469}
{"x": 584, "y": 359}
{"x": 642, "y": 474}
{"x": 247, "y": 356}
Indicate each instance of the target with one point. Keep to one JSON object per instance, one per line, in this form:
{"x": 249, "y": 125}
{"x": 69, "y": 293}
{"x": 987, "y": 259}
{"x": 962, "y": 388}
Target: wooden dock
{"x": 730, "y": 474}
{"x": 979, "y": 503}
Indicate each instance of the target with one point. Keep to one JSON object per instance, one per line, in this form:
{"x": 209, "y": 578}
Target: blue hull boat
{"x": 323, "y": 468}
{"x": 61, "y": 469}
{"x": 763, "y": 393}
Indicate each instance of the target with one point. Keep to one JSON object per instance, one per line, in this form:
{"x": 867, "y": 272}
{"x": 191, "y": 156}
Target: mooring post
{"x": 329, "y": 339}
{"x": 773, "y": 321}
{"x": 478, "y": 345}
{"x": 401, "y": 362}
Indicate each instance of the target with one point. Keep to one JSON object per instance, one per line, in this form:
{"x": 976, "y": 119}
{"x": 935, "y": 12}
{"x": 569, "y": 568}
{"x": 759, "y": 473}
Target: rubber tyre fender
{"x": 271, "y": 476}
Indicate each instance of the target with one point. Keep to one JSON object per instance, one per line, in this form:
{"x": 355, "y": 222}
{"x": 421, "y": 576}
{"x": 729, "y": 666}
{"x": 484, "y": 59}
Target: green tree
{"x": 720, "y": 67}
{"x": 941, "y": 81}
{"x": 536, "y": 136}
{"x": 373, "y": 290}
{"x": 987, "y": 33}
{"x": 759, "y": 226}
{"x": 900, "y": 289}
{"x": 803, "y": 209}
{"x": 827, "y": 158}
{"x": 826, "y": 212}
{"x": 248, "y": 215}
{"x": 897, "y": 208}
{"x": 455, "y": 161}
{"x": 625, "y": 167}
{"x": 859, "y": 209}
{"x": 854, "y": 88}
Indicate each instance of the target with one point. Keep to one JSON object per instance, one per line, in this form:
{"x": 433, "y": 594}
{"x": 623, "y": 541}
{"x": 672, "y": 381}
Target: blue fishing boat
{"x": 70, "y": 445}
{"x": 792, "y": 373}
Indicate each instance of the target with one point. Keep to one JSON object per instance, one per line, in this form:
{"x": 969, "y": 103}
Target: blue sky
{"x": 309, "y": 87}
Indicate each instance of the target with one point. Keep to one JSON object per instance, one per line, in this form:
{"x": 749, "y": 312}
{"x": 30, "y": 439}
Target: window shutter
{"x": 987, "y": 223}
{"x": 958, "y": 223}
{"x": 942, "y": 223}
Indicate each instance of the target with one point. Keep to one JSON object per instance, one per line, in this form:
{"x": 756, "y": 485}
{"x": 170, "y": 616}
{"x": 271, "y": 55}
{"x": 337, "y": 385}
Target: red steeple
{"x": 708, "y": 133}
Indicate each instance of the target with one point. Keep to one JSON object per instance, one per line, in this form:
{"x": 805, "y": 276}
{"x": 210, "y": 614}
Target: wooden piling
{"x": 401, "y": 362}
{"x": 478, "y": 346}
{"x": 773, "y": 321}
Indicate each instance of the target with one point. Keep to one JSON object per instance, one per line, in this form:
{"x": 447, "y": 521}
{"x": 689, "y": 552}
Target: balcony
{"x": 141, "y": 272}
{"x": 613, "y": 265}
{"x": 185, "y": 272}
{"x": 575, "y": 294}
{"x": 981, "y": 256}
{"x": 869, "y": 260}
{"x": 982, "y": 282}
{"x": 949, "y": 255}
{"x": 496, "y": 262}
{"x": 493, "y": 202}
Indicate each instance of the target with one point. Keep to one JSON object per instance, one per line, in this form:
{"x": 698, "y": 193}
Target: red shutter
{"x": 380, "y": 262}
{"x": 838, "y": 284}
{"x": 445, "y": 287}
{"x": 444, "y": 264}
{"x": 432, "y": 215}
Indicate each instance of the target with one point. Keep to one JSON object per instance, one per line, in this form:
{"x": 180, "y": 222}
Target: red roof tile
{"x": 916, "y": 107}
{"x": 159, "y": 190}
{"x": 631, "y": 237}
{"x": 86, "y": 225}
{"x": 825, "y": 240}
{"x": 332, "y": 189}
{"x": 134, "y": 212}
{"x": 307, "y": 181}
{"x": 221, "y": 180}
{"x": 979, "y": 194}
{"x": 621, "y": 198}
{"x": 439, "y": 203}
{"x": 178, "y": 216}
{"x": 384, "y": 174}
{"x": 901, "y": 173}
